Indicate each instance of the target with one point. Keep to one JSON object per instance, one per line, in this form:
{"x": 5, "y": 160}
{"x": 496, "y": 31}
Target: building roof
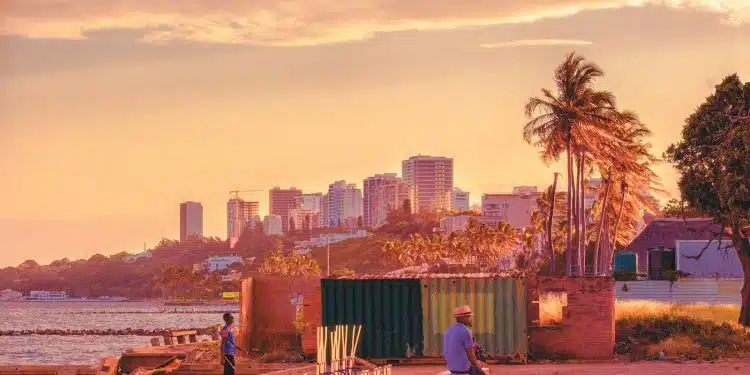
{"x": 666, "y": 232}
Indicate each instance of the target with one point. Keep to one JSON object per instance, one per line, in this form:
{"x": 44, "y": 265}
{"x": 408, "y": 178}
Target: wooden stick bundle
{"x": 341, "y": 342}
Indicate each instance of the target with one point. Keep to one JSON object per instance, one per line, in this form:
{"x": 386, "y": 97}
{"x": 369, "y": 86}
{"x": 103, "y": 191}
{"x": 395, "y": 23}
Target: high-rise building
{"x": 324, "y": 219}
{"x": 191, "y": 220}
{"x": 514, "y": 208}
{"x": 240, "y": 214}
{"x": 272, "y": 225}
{"x": 309, "y": 201}
{"x": 280, "y": 201}
{"x": 430, "y": 180}
{"x": 344, "y": 204}
{"x": 381, "y": 194}
{"x": 460, "y": 200}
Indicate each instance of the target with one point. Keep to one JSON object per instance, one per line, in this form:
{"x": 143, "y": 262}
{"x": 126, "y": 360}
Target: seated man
{"x": 458, "y": 345}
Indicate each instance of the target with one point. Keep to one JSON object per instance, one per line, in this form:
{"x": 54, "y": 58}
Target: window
{"x": 551, "y": 307}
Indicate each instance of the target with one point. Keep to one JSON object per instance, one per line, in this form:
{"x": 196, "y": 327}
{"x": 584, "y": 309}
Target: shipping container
{"x": 389, "y": 310}
{"x": 626, "y": 262}
{"x": 499, "y": 305}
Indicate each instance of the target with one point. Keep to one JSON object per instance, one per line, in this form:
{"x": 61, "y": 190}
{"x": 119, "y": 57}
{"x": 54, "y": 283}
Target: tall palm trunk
{"x": 623, "y": 189}
{"x": 601, "y": 224}
{"x": 574, "y": 231}
{"x": 550, "y": 244}
{"x": 582, "y": 214}
{"x": 569, "y": 203}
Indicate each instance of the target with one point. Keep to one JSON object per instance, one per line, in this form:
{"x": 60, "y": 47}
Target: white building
{"x": 272, "y": 225}
{"x": 221, "y": 263}
{"x": 142, "y": 255}
{"x": 10, "y": 295}
{"x": 44, "y": 295}
{"x": 344, "y": 204}
{"x": 382, "y": 193}
{"x": 305, "y": 219}
{"x": 310, "y": 201}
{"x": 460, "y": 200}
{"x": 239, "y": 213}
{"x": 430, "y": 180}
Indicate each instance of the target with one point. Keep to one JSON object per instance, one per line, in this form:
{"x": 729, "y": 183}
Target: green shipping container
{"x": 626, "y": 262}
{"x": 389, "y": 310}
{"x": 499, "y": 305}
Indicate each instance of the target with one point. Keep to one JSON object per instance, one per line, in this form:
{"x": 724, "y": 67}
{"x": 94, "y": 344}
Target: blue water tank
{"x": 626, "y": 262}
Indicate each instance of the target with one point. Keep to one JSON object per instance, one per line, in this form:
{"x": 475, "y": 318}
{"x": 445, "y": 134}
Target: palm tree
{"x": 576, "y": 120}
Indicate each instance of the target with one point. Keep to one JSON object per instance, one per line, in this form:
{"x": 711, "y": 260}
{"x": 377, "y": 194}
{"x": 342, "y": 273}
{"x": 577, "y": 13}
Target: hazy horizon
{"x": 114, "y": 112}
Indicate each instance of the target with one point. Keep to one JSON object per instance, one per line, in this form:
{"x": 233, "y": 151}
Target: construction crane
{"x": 235, "y": 194}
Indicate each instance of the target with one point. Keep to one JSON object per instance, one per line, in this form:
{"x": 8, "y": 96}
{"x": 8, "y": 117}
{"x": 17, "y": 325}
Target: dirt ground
{"x": 657, "y": 368}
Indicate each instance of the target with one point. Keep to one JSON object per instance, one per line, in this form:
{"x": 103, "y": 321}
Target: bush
{"x": 647, "y": 329}
{"x": 625, "y": 276}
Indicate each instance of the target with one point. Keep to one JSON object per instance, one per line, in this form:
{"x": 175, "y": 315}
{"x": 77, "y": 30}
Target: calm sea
{"x": 41, "y": 349}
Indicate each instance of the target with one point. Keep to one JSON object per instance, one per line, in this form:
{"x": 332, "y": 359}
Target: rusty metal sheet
{"x": 500, "y": 313}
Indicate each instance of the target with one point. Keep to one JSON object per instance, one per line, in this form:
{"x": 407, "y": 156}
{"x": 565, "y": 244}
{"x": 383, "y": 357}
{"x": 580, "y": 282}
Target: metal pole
{"x": 328, "y": 257}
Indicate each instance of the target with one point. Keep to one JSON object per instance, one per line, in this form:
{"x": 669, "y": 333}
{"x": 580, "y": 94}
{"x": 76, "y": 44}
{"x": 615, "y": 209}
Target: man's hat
{"x": 462, "y": 311}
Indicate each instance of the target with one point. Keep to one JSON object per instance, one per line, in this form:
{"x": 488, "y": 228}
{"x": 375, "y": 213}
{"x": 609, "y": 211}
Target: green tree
{"x": 713, "y": 159}
{"x": 678, "y": 209}
{"x": 278, "y": 263}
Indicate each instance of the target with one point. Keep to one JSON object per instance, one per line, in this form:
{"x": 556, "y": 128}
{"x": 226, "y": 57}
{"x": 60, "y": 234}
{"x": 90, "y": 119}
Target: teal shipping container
{"x": 626, "y": 262}
{"x": 389, "y": 310}
{"x": 499, "y": 305}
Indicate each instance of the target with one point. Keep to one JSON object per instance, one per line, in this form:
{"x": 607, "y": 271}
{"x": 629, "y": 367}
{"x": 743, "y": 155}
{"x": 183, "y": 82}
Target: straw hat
{"x": 462, "y": 311}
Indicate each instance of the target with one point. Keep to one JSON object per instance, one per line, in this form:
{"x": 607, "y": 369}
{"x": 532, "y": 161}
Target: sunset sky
{"x": 114, "y": 111}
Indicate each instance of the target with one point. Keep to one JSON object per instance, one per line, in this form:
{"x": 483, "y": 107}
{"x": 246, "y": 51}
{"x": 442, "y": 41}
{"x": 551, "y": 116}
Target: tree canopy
{"x": 713, "y": 159}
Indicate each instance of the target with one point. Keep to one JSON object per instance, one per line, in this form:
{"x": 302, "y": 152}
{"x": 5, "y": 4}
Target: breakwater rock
{"x": 163, "y": 311}
{"x": 97, "y": 332}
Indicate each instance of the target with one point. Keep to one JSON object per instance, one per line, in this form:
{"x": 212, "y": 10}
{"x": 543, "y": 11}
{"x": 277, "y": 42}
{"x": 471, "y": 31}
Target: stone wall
{"x": 587, "y": 330}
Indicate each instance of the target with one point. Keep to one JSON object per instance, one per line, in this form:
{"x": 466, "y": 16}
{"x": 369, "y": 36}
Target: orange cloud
{"x": 537, "y": 43}
{"x": 301, "y": 22}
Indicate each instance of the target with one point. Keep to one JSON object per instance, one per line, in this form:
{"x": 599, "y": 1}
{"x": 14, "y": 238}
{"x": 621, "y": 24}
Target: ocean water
{"x": 47, "y": 349}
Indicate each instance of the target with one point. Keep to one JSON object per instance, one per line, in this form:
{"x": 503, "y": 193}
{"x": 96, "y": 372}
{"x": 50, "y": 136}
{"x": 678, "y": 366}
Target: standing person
{"x": 228, "y": 345}
{"x": 458, "y": 345}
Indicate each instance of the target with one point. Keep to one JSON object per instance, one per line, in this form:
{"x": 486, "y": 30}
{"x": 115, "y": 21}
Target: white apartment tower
{"x": 381, "y": 194}
{"x": 344, "y": 204}
{"x": 460, "y": 200}
{"x": 430, "y": 180}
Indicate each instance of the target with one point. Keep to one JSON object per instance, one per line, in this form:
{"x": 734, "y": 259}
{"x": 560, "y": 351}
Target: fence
{"x": 689, "y": 291}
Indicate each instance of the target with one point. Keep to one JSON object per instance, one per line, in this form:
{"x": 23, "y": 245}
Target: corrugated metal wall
{"x": 499, "y": 306}
{"x": 683, "y": 292}
{"x": 389, "y": 310}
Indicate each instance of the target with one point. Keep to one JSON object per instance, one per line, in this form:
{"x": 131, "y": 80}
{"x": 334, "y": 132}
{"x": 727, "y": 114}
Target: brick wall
{"x": 587, "y": 330}
{"x": 270, "y": 313}
{"x": 312, "y": 311}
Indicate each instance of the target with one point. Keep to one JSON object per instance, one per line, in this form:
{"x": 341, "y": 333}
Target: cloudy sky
{"x": 115, "y": 111}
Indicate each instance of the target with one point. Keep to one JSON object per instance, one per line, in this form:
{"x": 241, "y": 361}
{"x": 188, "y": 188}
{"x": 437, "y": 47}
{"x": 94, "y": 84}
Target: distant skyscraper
{"x": 281, "y": 201}
{"x": 239, "y": 214}
{"x": 191, "y": 220}
{"x": 344, "y": 204}
{"x": 430, "y": 180}
{"x": 460, "y": 200}
{"x": 381, "y": 194}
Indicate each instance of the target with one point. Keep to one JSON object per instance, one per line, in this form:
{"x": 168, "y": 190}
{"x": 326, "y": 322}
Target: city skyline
{"x": 113, "y": 115}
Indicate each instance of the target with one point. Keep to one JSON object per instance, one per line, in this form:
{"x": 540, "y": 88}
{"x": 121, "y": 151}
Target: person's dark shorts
{"x": 229, "y": 364}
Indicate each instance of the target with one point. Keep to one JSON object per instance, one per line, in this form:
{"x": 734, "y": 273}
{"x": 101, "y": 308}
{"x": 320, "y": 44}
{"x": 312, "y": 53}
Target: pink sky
{"x": 115, "y": 111}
